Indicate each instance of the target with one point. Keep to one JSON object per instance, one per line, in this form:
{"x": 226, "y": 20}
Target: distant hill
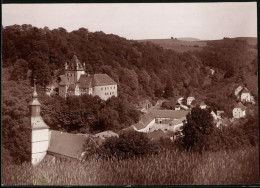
{"x": 188, "y": 39}
{"x": 192, "y": 44}
{"x": 249, "y": 40}
{"x": 178, "y": 45}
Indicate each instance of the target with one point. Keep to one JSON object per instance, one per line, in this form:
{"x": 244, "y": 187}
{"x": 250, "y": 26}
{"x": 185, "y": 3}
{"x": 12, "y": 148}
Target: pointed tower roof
{"x": 36, "y": 120}
{"x": 35, "y": 101}
{"x": 75, "y": 64}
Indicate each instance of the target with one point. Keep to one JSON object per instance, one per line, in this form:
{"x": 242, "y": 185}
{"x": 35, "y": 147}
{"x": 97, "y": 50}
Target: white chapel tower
{"x": 40, "y": 131}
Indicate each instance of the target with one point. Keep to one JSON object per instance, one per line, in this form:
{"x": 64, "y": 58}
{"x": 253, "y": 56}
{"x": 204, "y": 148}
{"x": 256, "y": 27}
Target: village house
{"x": 177, "y": 106}
{"x": 189, "y": 100}
{"x": 239, "y": 111}
{"x": 77, "y": 82}
{"x": 194, "y": 103}
{"x": 161, "y": 119}
{"x": 203, "y": 105}
{"x": 238, "y": 89}
{"x": 106, "y": 134}
{"x": 214, "y": 115}
{"x": 220, "y": 113}
{"x": 144, "y": 105}
{"x": 47, "y": 143}
{"x": 40, "y": 131}
{"x": 243, "y": 94}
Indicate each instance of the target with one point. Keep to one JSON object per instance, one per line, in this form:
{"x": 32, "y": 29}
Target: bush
{"x": 129, "y": 144}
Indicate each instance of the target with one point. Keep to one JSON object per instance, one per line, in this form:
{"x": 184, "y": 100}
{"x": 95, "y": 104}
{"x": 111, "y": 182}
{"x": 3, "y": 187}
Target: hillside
{"x": 192, "y": 44}
{"x": 178, "y": 45}
{"x": 188, "y": 39}
{"x": 142, "y": 70}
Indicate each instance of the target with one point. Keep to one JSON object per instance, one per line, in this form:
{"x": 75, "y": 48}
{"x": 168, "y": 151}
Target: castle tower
{"x": 40, "y": 131}
{"x": 74, "y": 69}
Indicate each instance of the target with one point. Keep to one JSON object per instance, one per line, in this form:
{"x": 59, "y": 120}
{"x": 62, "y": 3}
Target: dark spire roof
{"x": 35, "y": 101}
{"x": 75, "y": 64}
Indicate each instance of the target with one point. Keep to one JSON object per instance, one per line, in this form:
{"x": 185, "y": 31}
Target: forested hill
{"x": 140, "y": 69}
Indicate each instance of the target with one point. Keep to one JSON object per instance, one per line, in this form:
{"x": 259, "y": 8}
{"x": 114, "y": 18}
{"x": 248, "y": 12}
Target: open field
{"x": 177, "y": 45}
{"x": 233, "y": 167}
{"x": 194, "y": 45}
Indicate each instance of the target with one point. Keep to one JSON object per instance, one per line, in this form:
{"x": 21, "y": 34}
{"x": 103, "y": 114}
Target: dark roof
{"x": 106, "y": 134}
{"x": 139, "y": 126}
{"x": 176, "y": 114}
{"x": 176, "y": 122}
{"x": 74, "y": 63}
{"x": 38, "y": 123}
{"x": 70, "y": 145}
{"x": 241, "y": 106}
{"x": 203, "y": 103}
{"x": 156, "y": 135}
{"x": 147, "y": 119}
{"x": 131, "y": 128}
{"x": 194, "y": 103}
{"x": 245, "y": 90}
{"x": 102, "y": 79}
{"x": 86, "y": 81}
{"x": 226, "y": 121}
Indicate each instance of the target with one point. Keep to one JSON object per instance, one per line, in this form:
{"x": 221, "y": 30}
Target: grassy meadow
{"x": 233, "y": 167}
{"x": 178, "y": 45}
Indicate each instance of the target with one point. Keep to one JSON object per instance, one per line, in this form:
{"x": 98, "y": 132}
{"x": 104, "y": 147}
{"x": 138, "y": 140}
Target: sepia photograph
{"x": 127, "y": 94}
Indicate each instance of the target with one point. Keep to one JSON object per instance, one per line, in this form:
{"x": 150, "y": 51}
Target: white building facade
{"x": 76, "y": 82}
{"x": 40, "y": 132}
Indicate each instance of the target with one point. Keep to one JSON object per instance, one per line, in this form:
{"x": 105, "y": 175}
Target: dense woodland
{"x": 142, "y": 70}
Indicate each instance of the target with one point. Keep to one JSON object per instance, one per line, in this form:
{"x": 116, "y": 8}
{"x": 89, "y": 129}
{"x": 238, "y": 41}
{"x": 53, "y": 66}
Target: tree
{"x": 20, "y": 70}
{"x": 214, "y": 79}
{"x": 168, "y": 91}
{"x": 197, "y": 129}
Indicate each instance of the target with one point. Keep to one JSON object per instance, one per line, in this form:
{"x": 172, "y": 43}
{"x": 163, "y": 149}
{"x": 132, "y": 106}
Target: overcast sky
{"x": 141, "y": 21}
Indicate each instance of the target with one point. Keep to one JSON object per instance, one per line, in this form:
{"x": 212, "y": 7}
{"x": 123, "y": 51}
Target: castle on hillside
{"x": 77, "y": 82}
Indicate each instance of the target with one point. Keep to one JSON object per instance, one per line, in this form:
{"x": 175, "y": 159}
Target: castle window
{"x": 101, "y": 88}
{"x": 110, "y": 87}
{"x": 114, "y": 87}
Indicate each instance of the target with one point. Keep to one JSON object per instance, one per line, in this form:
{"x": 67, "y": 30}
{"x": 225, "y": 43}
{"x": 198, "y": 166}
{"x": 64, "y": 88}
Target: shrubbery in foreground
{"x": 222, "y": 167}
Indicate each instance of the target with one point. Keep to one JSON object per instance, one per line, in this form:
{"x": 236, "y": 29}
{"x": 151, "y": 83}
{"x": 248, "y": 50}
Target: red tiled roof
{"x": 102, "y": 79}
{"x": 241, "y": 106}
{"x": 70, "y": 145}
{"x": 147, "y": 119}
{"x": 176, "y": 114}
{"x": 86, "y": 82}
{"x": 139, "y": 126}
{"x": 194, "y": 103}
{"x": 245, "y": 90}
{"x": 225, "y": 121}
{"x": 131, "y": 128}
{"x": 176, "y": 122}
{"x": 106, "y": 134}
{"x": 203, "y": 103}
